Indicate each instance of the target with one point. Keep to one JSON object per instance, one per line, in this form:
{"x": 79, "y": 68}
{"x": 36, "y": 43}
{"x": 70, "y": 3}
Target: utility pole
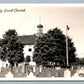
{"x": 67, "y": 28}
{"x": 67, "y": 73}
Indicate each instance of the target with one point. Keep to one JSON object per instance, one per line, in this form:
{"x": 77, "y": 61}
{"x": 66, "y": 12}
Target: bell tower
{"x": 39, "y": 28}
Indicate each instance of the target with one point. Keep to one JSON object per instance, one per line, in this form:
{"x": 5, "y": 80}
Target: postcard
{"x": 41, "y": 42}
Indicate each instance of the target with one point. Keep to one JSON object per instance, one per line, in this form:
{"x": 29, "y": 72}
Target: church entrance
{"x": 27, "y": 67}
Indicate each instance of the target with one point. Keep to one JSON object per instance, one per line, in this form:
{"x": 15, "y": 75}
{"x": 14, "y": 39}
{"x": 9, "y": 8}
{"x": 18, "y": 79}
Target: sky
{"x": 25, "y": 22}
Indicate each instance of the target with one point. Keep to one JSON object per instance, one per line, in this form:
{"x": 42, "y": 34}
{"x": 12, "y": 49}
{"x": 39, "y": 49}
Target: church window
{"x": 30, "y": 49}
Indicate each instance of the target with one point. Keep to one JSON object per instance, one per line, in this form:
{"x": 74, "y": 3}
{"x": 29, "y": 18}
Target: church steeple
{"x": 39, "y": 28}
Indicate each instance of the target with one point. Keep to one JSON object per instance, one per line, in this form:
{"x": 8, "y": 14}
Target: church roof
{"x": 27, "y": 39}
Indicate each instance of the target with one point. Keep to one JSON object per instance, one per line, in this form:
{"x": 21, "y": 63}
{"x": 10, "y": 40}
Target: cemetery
{"x": 23, "y": 58}
{"x": 41, "y": 72}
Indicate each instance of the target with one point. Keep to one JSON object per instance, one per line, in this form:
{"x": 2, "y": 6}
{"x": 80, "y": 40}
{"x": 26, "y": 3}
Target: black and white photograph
{"x": 41, "y": 42}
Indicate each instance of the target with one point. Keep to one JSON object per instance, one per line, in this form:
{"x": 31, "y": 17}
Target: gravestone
{"x": 0, "y": 65}
{"x": 34, "y": 69}
{"x": 57, "y": 68}
{"x": 61, "y": 72}
{"x": 76, "y": 75}
{"x": 33, "y": 64}
{"x": 81, "y": 70}
{"x": 67, "y": 73}
{"x": 23, "y": 68}
{"x": 46, "y": 72}
{"x": 16, "y": 69}
{"x": 40, "y": 68}
{"x": 9, "y": 75}
{"x": 31, "y": 75}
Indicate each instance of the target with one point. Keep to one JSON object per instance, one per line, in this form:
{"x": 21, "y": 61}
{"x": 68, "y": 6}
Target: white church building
{"x": 29, "y": 41}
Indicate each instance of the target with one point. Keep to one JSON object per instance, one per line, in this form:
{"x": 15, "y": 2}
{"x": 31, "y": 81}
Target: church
{"x": 29, "y": 40}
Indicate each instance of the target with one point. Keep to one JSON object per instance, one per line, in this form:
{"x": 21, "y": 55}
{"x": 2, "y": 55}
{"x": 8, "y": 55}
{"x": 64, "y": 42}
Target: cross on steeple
{"x": 39, "y": 28}
{"x": 39, "y": 19}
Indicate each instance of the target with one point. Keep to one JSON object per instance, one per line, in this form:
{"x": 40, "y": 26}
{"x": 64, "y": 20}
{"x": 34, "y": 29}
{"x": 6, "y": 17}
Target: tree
{"x": 11, "y": 49}
{"x": 50, "y": 49}
{"x": 79, "y": 62}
